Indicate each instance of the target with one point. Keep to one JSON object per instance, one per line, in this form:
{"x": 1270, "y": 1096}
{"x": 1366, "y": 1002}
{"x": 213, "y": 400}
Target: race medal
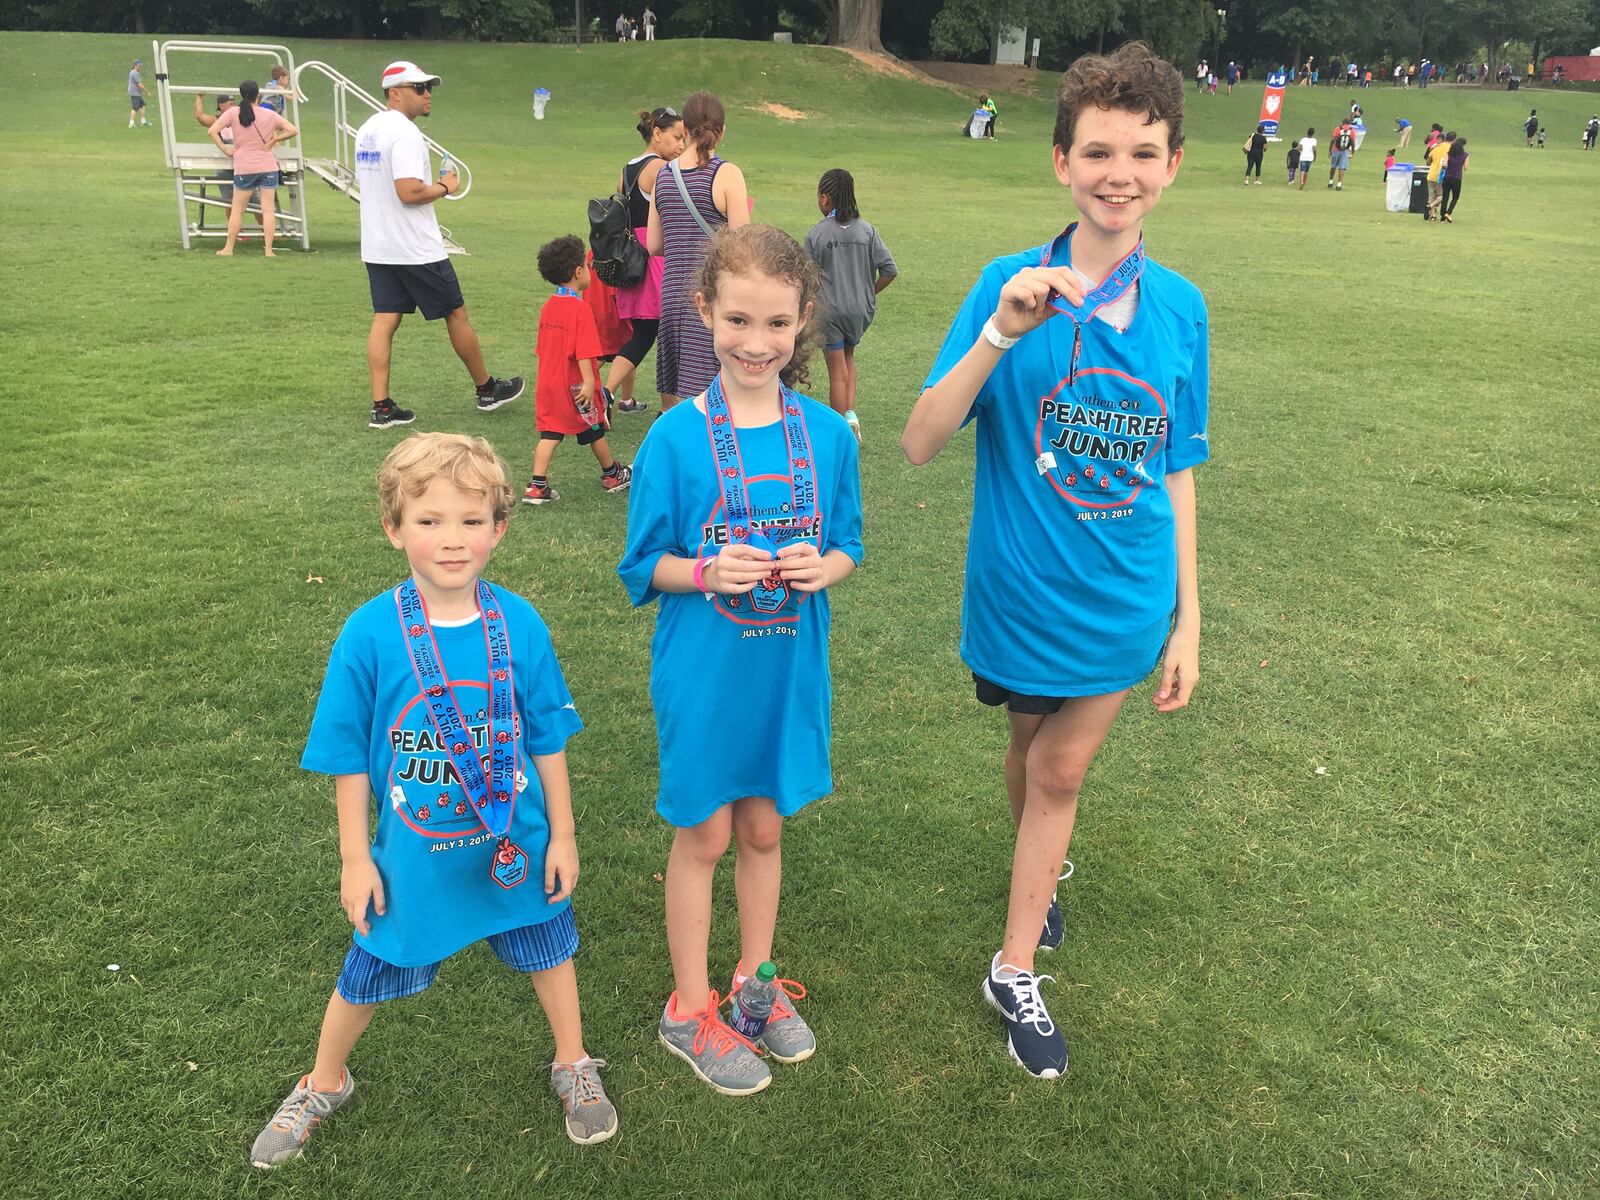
{"x": 1109, "y": 290}
{"x": 772, "y": 593}
{"x": 510, "y": 865}
{"x": 493, "y": 796}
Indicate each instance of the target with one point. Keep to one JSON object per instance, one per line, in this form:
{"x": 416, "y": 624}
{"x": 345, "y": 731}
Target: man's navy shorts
{"x": 408, "y": 287}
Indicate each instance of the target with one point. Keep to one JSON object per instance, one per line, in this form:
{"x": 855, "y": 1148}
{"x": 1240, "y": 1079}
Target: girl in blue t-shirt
{"x": 745, "y": 510}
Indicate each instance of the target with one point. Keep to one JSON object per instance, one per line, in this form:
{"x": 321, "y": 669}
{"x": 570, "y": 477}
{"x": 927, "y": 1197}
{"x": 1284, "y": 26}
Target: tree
{"x": 854, "y": 24}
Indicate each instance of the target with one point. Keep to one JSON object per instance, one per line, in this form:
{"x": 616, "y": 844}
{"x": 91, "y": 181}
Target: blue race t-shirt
{"x": 432, "y": 850}
{"x": 1072, "y": 555}
{"x": 742, "y": 696}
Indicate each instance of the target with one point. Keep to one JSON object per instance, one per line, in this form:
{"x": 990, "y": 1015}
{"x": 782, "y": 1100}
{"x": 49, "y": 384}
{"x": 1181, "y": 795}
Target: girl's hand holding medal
{"x": 1025, "y": 300}
{"x": 736, "y": 569}
{"x": 802, "y": 567}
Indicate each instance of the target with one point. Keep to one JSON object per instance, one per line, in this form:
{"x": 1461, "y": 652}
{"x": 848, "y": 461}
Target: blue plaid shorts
{"x": 367, "y": 979}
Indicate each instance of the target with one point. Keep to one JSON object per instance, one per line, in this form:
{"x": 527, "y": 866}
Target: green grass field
{"x": 1333, "y": 930}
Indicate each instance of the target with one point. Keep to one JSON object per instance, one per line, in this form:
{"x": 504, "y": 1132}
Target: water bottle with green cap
{"x": 752, "y": 1003}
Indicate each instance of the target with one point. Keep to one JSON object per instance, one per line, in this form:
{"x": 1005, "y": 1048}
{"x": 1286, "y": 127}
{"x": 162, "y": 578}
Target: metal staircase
{"x": 201, "y": 172}
{"x": 339, "y": 171}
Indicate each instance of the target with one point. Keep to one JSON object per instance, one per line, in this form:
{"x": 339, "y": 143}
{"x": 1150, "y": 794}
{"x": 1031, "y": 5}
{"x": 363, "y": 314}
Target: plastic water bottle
{"x": 447, "y": 164}
{"x": 752, "y": 1003}
{"x": 541, "y": 97}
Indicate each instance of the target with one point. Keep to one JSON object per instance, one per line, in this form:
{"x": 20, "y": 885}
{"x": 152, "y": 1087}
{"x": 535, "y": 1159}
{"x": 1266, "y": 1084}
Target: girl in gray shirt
{"x": 855, "y": 266}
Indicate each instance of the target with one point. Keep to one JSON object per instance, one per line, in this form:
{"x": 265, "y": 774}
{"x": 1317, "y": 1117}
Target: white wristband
{"x": 995, "y": 338}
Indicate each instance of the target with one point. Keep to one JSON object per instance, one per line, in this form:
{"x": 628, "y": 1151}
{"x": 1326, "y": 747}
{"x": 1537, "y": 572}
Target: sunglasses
{"x": 422, "y": 89}
{"x": 664, "y": 112}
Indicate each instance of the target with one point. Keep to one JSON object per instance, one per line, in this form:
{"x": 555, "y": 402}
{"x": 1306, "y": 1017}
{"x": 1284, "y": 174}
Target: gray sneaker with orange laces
{"x": 787, "y": 1037}
{"x": 297, "y": 1118}
{"x": 590, "y": 1115}
{"x": 722, "y": 1058}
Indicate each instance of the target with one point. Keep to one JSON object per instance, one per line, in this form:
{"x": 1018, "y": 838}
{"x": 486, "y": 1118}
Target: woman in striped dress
{"x": 685, "y": 360}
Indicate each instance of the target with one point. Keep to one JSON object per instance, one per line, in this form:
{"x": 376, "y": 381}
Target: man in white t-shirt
{"x": 649, "y": 24}
{"x": 1308, "y": 155}
{"x": 404, "y": 253}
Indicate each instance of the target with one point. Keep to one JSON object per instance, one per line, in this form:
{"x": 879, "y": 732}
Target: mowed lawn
{"x": 1333, "y": 929}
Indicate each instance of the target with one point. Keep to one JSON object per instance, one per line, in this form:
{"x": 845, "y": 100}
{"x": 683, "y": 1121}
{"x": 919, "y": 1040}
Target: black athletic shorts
{"x": 994, "y": 695}
{"x": 407, "y": 287}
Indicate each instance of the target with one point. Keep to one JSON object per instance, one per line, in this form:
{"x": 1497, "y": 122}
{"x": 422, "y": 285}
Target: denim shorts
{"x": 256, "y": 179}
{"x": 367, "y": 979}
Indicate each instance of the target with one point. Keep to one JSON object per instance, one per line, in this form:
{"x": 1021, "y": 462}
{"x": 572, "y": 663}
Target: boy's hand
{"x": 585, "y": 400}
{"x": 560, "y": 867}
{"x": 1180, "y": 670}
{"x": 802, "y": 567}
{"x": 359, "y": 885}
{"x": 1025, "y": 299}
{"x": 736, "y": 568}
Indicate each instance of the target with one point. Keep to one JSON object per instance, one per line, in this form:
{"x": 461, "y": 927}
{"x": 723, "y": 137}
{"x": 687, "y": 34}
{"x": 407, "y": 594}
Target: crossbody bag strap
{"x": 688, "y": 200}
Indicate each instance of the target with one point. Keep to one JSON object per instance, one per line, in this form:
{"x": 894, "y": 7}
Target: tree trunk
{"x": 859, "y": 25}
{"x": 358, "y": 27}
{"x": 432, "y": 25}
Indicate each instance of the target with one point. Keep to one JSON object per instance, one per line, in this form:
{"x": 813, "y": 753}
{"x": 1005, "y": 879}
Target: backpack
{"x": 619, "y": 260}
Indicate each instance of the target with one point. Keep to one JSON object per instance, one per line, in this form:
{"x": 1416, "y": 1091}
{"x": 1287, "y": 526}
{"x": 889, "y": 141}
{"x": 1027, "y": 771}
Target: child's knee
{"x": 758, "y": 831}
{"x": 708, "y": 841}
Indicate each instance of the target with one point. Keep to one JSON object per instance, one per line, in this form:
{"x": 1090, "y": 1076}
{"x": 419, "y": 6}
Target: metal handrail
{"x": 280, "y": 55}
{"x": 344, "y": 133}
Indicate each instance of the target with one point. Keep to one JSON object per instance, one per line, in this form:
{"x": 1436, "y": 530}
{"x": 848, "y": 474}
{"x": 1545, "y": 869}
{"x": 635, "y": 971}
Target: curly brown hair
{"x": 765, "y": 250}
{"x": 1131, "y": 78}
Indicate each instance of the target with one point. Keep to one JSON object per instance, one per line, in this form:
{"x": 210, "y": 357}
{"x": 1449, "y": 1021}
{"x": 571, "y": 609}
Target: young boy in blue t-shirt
{"x": 444, "y": 700}
{"x": 1084, "y": 366}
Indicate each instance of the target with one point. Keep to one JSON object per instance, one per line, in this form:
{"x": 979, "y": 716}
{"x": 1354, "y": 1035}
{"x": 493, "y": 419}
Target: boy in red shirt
{"x": 564, "y": 398}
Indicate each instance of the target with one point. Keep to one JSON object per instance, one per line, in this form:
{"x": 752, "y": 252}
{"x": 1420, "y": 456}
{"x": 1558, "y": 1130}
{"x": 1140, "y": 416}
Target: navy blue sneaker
{"x": 1055, "y": 929}
{"x": 1032, "y": 1037}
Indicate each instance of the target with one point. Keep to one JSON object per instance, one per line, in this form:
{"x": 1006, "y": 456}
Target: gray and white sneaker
{"x": 787, "y": 1038}
{"x": 591, "y": 1117}
{"x": 297, "y": 1118}
{"x": 718, "y": 1055}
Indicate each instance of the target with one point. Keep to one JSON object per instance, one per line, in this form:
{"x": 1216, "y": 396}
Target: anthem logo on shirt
{"x": 1096, "y": 436}
{"x": 424, "y": 789}
{"x": 771, "y": 602}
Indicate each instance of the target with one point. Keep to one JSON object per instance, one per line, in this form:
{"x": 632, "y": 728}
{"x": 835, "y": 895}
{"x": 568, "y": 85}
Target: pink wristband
{"x": 700, "y": 565}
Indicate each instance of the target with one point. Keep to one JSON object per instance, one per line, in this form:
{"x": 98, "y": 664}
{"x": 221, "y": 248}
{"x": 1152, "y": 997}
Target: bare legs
{"x": 1045, "y": 765}
{"x": 241, "y": 198}
{"x": 380, "y": 341}
{"x": 841, "y": 379}
{"x": 344, "y": 1023}
{"x": 465, "y": 340}
{"x": 755, "y": 825}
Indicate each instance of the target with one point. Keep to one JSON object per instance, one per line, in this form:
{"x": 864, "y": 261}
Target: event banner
{"x": 1272, "y": 102}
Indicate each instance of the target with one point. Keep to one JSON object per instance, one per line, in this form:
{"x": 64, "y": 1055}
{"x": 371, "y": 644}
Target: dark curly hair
{"x": 559, "y": 260}
{"x": 1131, "y": 78}
{"x": 765, "y": 250}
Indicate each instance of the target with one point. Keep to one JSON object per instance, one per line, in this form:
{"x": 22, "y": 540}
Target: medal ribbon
{"x": 731, "y": 477}
{"x": 493, "y": 797}
{"x": 566, "y": 291}
{"x": 1109, "y": 290}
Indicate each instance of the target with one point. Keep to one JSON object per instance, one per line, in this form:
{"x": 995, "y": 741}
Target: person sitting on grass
{"x": 472, "y": 844}
{"x": 567, "y": 394}
{"x": 855, "y": 266}
{"x": 1081, "y": 565}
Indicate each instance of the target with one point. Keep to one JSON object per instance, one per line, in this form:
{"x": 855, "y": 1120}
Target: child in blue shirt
{"x": 1084, "y": 366}
{"x": 444, "y": 700}
{"x": 746, "y": 510}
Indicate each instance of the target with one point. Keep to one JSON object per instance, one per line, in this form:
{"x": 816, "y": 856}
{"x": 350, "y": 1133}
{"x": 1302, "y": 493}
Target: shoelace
{"x": 713, "y": 1031}
{"x": 579, "y": 1083}
{"x": 1030, "y": 1007}
{"x": 788, "y": 989}
{"x": 305, "y": 1107}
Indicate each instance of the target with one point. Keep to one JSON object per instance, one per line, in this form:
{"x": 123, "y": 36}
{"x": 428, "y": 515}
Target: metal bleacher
{"x": 200, "y": 171}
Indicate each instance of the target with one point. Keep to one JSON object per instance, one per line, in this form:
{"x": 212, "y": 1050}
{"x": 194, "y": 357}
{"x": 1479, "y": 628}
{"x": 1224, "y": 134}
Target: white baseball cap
{"x": 399, "y": 74}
